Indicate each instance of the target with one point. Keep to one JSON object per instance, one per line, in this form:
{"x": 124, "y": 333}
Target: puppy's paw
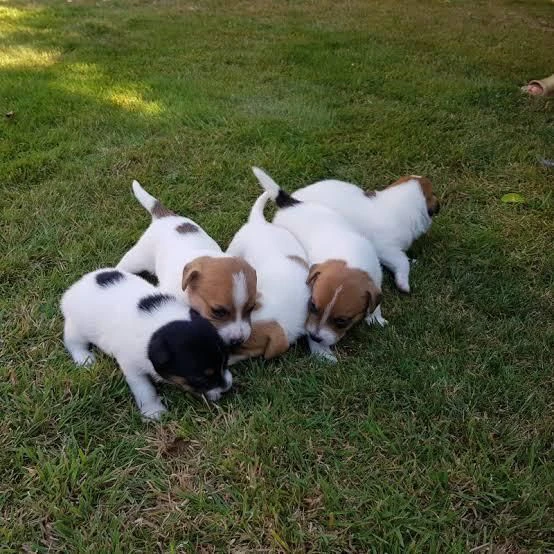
{"x": 328, "y": 356}
{"x": 402, "y": 283}
{"x": 84, "y": 359}
{"x": 376, "y": 319}
{"x": 153, "y": 412}
{"x": 213, "y": 395}
{"x": 322, "y": 351}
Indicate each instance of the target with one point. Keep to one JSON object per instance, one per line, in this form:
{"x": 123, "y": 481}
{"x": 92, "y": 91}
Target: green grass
{"x": 433, "y": 435}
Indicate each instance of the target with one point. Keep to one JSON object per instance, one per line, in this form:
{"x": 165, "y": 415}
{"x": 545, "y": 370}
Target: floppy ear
{"x": 191, "y": 273}
{"x": 374, "y": 297}
{"x": 313, "y": 275}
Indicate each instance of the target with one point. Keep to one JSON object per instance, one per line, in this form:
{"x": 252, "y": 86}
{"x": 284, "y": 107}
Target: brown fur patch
{"x": 351, "y": 292}
{"x": 426, "y": 187}
{"x": 299, "y": 260}
{"x": 370, "y": 193}
{"x": 186, "y": 227}
{"x": 268, "y": 339}
{"x": 209, "y": 283}
{"x": 159, "y": 210}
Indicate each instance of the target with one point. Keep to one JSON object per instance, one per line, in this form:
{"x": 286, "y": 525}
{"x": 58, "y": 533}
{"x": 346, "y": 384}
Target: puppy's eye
{"x": 220, "y": 313}
{"x": 312, "y": 307}
{"x": 341, "y": 322}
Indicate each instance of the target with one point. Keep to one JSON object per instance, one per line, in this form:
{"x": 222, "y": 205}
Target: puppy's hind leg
{"x": 140, "y": 257}
{"x": 77, "y": 345}
{"x": 399, "y": 264}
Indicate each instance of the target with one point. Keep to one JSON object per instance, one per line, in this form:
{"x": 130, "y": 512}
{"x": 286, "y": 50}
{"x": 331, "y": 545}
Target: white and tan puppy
{"x": 345, "y": 275}
{"x": 392, "y": 219}
{"x": 282, "y": 269}
{"x": 153, "y": 336}
{"x": 190, "y": 264}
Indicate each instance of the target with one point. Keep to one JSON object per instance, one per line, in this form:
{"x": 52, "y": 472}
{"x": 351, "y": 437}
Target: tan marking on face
{"x": 209, "y": 283}
{"x": 268, "y": 339}
{"x": 299, "y": 260}
{"x": 340, "y": 293}
{"x": 186, "y": 227}
{"x": 159, "y": 210}
{"x": 426, "y": 187}
{"x": 180, "y": 382}
{"x": 209, "y": 372}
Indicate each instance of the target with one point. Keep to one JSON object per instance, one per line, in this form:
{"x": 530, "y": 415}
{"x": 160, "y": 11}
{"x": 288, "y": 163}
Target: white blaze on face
{"x": 321, "y": 330}
{"x": 239, "y": 329}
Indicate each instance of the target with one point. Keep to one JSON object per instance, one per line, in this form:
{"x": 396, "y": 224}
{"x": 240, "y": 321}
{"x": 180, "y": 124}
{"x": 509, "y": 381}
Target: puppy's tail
{"x": 257, "y": 211}
{"x": 153, "y": 205}
{"x": 276, "y": 193}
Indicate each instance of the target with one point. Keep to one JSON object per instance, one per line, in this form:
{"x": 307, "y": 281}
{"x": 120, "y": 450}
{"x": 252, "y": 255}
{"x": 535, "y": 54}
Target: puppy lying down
{"x": 153, "y": 337}
{"x": 280, "y": 263}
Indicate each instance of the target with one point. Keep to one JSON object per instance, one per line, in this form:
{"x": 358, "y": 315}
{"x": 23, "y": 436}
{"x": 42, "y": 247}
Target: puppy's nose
{"x": 315, "y": 338}
{"x": 236, "y": 342}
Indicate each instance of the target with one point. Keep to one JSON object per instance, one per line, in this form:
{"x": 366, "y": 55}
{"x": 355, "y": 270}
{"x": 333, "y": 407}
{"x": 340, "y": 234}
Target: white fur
{"x": 108, "y": 317}
{"x": 165, "y": 252}
{"x": 325, "y": 235}
{"x": 391, "y": 220}
{"x": 282, "y": 289}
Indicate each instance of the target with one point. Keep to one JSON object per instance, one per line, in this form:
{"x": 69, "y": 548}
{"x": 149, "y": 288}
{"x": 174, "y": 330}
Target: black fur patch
{"x": 109, "y": 278}
{"x": 189, "y": 352}
{"x": 149, "y": 277}
{"x": 153, "y": 301}
{"x": 285, "y": 200}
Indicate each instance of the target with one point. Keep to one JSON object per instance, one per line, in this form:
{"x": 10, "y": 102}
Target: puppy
{"x": 153, "y": 337}
{"x": 392, "y": 219}
{"x": 190, "y": 265}
{"x": 280, "y": 263}
{"x": 345, "y": 275}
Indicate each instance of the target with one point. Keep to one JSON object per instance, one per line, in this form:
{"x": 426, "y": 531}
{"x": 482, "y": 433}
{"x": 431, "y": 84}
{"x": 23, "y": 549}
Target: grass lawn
{"x": 432, "y": 435}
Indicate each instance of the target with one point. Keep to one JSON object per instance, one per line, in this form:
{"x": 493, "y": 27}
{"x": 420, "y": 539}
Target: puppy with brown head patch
{"x": 392, "y": 219}
{"x": 282, "y": 268}
{"x": 345, "y": 275}
{"x": 190, "y": 265}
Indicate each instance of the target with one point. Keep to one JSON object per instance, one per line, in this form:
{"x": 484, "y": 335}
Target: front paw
{"x": 153, "y": 412}
{"x": 402, "y": 284}
{"x": 374, "y": 319}
{"x": 322, "y": 351}
{"x": 327, "y": 355}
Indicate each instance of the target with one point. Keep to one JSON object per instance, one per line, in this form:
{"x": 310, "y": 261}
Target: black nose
{"x": 315, "y": 339}
{"x": 236, "y": 342}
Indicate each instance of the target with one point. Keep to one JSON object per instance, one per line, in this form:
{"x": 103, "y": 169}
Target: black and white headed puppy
{"x": 392, "y": 218}
{"x": 190, "y": 265}
{"x": 153, "y": 336}
{"x": 345, "y": 275}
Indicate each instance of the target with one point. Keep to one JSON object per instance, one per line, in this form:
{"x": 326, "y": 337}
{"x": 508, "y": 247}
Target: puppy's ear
{"x": 433, "y": 206}
{"x": 313, "y": 275}
{"x": 191, "y": 273}
{"x": 374, "y": 296}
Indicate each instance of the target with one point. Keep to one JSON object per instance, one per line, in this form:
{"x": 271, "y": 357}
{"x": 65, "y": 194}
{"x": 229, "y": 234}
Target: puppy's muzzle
{"x": 235, "y": 343}
{"x": 315, "y": 338}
